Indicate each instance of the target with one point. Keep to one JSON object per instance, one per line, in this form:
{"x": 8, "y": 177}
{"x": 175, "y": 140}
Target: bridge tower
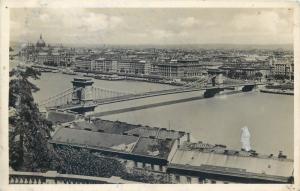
{"x": 83, "y": 95}
{"x": 217, "y": 76}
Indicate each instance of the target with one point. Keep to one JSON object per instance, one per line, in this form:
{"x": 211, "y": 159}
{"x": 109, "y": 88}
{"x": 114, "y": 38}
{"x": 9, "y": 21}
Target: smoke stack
{"x": 188, "y": 139}
{"x": 245, "y": 139}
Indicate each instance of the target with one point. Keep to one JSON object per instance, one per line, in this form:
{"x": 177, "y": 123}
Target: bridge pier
{"x": 248, "y": 88}
{"x": 212, "y": 92}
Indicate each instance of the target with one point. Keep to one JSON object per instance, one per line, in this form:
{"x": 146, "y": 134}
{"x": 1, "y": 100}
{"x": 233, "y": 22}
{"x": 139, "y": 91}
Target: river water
{"x": 216, "y": 120}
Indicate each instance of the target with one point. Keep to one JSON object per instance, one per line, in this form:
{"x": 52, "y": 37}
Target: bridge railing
{"x": 101, "y": 93}
{"x": 52, "y": 177}
{"x": 58, "y": 99}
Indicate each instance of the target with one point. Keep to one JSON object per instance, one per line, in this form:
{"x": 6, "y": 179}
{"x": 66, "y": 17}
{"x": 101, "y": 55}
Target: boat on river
{"x": 110, "y": 78}
{"x": 69, "y": 72}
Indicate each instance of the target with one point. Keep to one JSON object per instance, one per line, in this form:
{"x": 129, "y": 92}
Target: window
{"x": 188, "y": 179}
{"x": 177, "y": 178}
{"x": 201, "y": 180}
{"x": 160, "y": 168}
{"x": 213, "y": 181}
{"x": 135, "y": 164}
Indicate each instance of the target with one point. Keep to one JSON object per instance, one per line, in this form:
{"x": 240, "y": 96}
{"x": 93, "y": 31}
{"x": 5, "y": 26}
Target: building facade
{"x": 83, "y": 63}
{"x": 43, "y": 54}
{"x": 283, "y": 67}
{"x": 105, "y": 65}
{"x": 173, "y": 69}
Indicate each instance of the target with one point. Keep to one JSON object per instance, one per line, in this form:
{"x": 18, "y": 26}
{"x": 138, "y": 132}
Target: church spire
{"x": 41, "y": 36}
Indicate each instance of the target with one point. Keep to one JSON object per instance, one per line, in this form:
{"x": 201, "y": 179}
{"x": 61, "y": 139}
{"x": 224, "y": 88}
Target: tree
{"x": 70, "y": 160}
{"x": 29, "y": 130}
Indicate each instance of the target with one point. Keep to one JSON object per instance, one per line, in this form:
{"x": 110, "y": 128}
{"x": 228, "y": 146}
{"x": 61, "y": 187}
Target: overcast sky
{"x": 153, "y": 26}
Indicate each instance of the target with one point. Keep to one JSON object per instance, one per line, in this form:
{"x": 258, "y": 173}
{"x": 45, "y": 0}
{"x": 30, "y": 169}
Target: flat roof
{"x": 233, "y": 163}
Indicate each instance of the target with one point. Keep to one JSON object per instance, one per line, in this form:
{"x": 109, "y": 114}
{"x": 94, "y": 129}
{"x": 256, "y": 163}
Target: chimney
{"x": 178, "y": 142}
{"x": 188, "y": 139}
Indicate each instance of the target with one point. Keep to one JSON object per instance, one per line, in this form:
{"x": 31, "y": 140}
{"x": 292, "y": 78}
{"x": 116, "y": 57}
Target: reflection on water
{"x": 216, "y": 120}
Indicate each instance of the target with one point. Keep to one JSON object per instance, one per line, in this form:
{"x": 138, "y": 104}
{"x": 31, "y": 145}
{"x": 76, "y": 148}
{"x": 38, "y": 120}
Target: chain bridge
{"x": 83, "y": 97}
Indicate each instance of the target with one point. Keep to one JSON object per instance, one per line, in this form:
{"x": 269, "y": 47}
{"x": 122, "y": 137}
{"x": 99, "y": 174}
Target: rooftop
{"x": 60, "y": 117}
{"x": 117, "y": 127}
{"x": 94, "y": 139}
{"x": 160, "y": 133}
{"x": 152, "y": 147}
{"x": 217, "y": 159}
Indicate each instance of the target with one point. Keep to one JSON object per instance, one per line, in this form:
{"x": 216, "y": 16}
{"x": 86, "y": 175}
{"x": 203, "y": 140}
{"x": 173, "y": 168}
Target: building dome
{"x": 40, "y": 42}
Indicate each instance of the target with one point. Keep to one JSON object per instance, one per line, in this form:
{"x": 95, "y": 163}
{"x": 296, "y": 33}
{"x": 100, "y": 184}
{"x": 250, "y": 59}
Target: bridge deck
{"x": 150, "y": 94}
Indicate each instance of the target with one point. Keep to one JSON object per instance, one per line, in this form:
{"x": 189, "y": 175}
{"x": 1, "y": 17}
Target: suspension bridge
{"x": 83, "y": 97}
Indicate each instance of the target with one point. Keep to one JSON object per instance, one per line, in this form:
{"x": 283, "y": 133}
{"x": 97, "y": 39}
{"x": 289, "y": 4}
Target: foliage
{"x": 80, "y": 161}
{"x": 146, "y": 177}
{"x": 29, "y": 130}
{"x": 69, "y": 160}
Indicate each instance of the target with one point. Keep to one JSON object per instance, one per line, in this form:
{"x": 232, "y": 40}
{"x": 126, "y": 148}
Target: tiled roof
{"x": 154, "y": 147}
{"x": 126, "y": 143}
{"x": 60, "y": 117}
{"x": 143, "y": 131}
{"x": 155, "y": 132}
{"x": 83, "y": 125}
{"x": 117, "y": 127}
{"x": 94, "y": 139}
{"x": 114, "y": 127}
{"x": 244, "y": 164}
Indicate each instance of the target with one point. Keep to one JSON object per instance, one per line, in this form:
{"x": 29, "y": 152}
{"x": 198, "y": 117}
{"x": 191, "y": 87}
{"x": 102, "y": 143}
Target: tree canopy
{"x": 29, "y": 130}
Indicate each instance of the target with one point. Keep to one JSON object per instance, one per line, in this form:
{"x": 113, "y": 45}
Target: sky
{"x": 152, "y": 25}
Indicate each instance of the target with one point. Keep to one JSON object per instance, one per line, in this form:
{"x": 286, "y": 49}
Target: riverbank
{"x": 218, "y": 119}
{"x": 276, "y": 91}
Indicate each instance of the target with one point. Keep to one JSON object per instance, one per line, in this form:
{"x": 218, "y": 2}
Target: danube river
{"x": 216, "y": 120}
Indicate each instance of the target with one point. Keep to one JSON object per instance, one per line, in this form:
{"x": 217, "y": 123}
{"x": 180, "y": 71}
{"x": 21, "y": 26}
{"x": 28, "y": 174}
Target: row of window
{"x": 136, "y": 165}
{"x": 188, "y": 179}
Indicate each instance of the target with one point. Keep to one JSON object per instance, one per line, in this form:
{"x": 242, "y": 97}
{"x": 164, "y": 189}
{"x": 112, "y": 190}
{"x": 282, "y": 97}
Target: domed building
{"x": 40, "y": 43}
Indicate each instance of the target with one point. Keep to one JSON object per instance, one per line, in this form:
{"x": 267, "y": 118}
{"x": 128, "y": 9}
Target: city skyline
{"x": 151, "y": 96}
{"x": 153, "y": 26}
